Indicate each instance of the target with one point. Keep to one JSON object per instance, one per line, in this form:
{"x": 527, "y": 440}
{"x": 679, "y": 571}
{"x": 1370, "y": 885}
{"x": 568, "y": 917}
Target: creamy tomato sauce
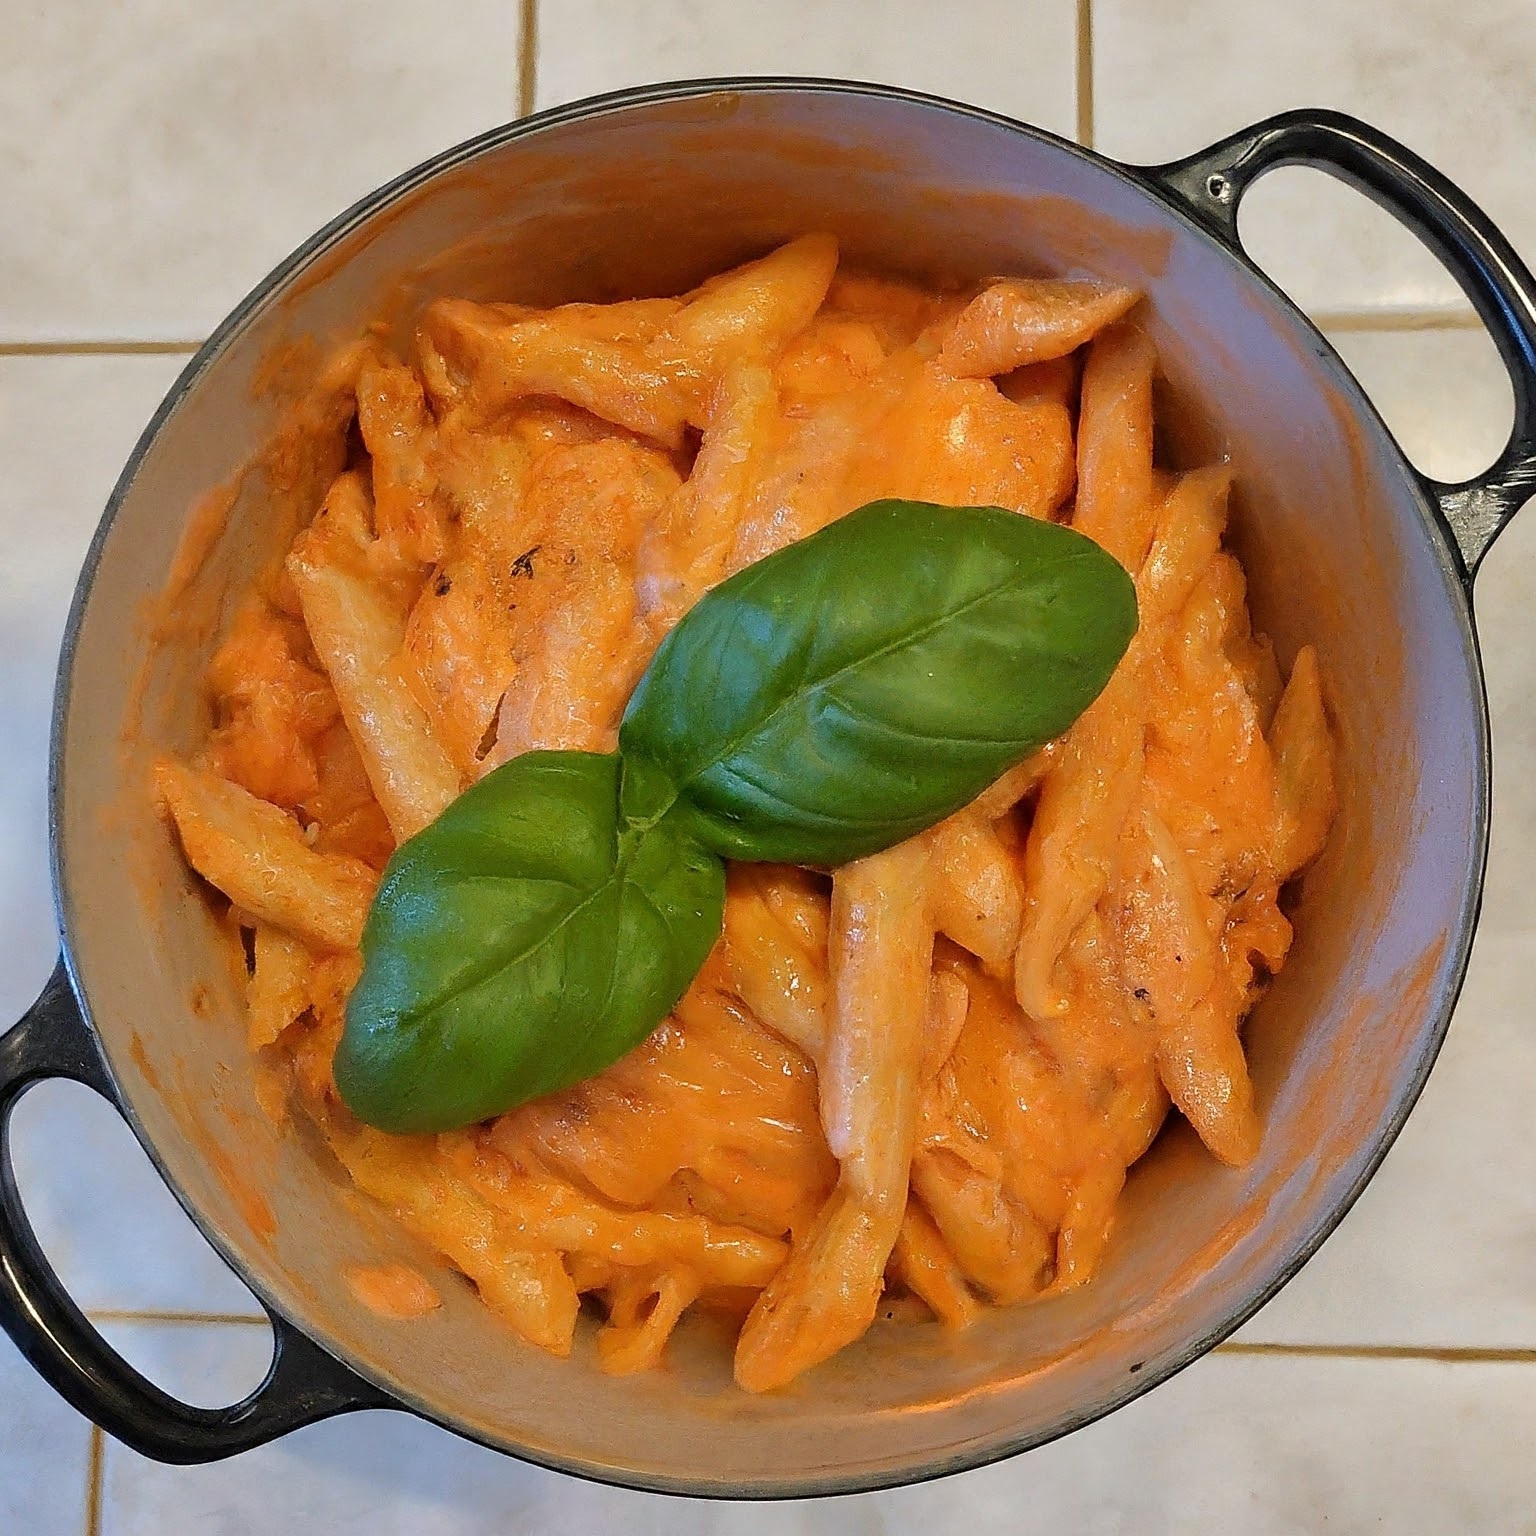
{"x": 912, "y": 1084}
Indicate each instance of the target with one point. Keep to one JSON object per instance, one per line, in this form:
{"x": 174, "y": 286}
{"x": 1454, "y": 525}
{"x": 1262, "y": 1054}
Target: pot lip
{"x": 1453, "y": 965}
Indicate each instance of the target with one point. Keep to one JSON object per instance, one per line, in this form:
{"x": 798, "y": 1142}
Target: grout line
{"x": 1323, "y": 319}
{"x": 97, "y": 348}
{"x": 1396, "y": 320}
{"x": 1453, "y": 1355}
{"x": 527, "y": 57}
{"x": 94, "y": 1472}
{"x": 1085, "y": 73}
{"x": 130, "y": 1315}
{"x": 1448, "y": 1353}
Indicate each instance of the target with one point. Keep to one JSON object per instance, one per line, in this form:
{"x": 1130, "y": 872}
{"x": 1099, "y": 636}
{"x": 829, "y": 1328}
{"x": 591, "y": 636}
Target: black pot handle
{"x": 304, "y": 1384}
{"x": 1210, "y": 186}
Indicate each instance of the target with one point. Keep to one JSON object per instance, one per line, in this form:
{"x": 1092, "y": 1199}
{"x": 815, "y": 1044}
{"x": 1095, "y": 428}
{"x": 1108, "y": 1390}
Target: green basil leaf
{"x": 523, "y": 941}
{"x": 860, "y": 685}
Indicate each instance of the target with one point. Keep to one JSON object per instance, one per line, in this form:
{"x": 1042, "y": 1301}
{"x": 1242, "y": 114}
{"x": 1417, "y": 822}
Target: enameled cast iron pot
{"x": 1344, "y": 542}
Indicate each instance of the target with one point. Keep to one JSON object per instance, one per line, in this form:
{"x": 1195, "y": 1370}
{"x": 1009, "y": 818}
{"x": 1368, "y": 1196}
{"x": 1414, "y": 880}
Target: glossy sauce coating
{"x": 923, "y": 1074}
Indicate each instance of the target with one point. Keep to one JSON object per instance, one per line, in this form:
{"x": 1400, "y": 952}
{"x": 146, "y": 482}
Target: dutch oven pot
{"x": 1344, "y": 542}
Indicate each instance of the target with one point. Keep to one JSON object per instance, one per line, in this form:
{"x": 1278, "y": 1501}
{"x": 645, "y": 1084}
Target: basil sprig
{"x": 826, "y": 702}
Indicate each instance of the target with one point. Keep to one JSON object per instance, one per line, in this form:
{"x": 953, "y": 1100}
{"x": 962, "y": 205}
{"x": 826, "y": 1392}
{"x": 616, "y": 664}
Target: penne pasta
{"x": 833, "y": 355}
{"x": 910, "y": 1088}
{"x": 256, "y": 855}
{"x": 1058, "y": 382}
{"x": 961, "y": 442}
{"x": 927, "y": 1268}
{"x": 580, "y": 644}
{"x": 899, "y": 312}
{"x": 827, "y": 1291}
{"x": 748, "y": 313}
{"x": 392, "y": 417}
{"x": 1085, "y": 1229}
{"x": 1189, "y": 527}
{"x": 274, "y": 708}
{"x": 1305, "y": 798}
{"x": 684, "y": 552}
{"x": 949, "y": 1001}
{"x": 1200, "y": 1060}
{"x": 1073, "y": 843}
{"x": 1163, "y": 921}
{"x": 1023, "y": 320}
{"x": 358, "y": 632}
{"x": 459, "y": 655}
{"x": 781, "y": 979}
{"x": 278, "y": 991}
{"x": 977, "y": 898}
{"x": 553, "y": 353}
{"x": 591, "y": 654}
{"x": 998, "y": 799}
{"x": 999, "y": 1245}
{"x": 643, "y": 1311}
{"x": 1116, "y": 499}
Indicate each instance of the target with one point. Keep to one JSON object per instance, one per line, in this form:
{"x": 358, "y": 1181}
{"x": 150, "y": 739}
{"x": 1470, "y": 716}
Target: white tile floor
{"x": 156, "y": 158}
{"x": 159, "y": 157}
{"x": 1452, "y": 79}
{"x": 1235, "y": 1446}
{"x": 1014, "y": 56}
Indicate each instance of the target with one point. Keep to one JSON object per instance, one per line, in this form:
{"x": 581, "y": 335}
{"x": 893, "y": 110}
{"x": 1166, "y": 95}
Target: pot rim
{"x": 1452, "y": 968}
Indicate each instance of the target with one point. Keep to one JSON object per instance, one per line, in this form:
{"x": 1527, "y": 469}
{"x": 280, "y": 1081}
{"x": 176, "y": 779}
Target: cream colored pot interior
{"x": 648, "y": 196}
